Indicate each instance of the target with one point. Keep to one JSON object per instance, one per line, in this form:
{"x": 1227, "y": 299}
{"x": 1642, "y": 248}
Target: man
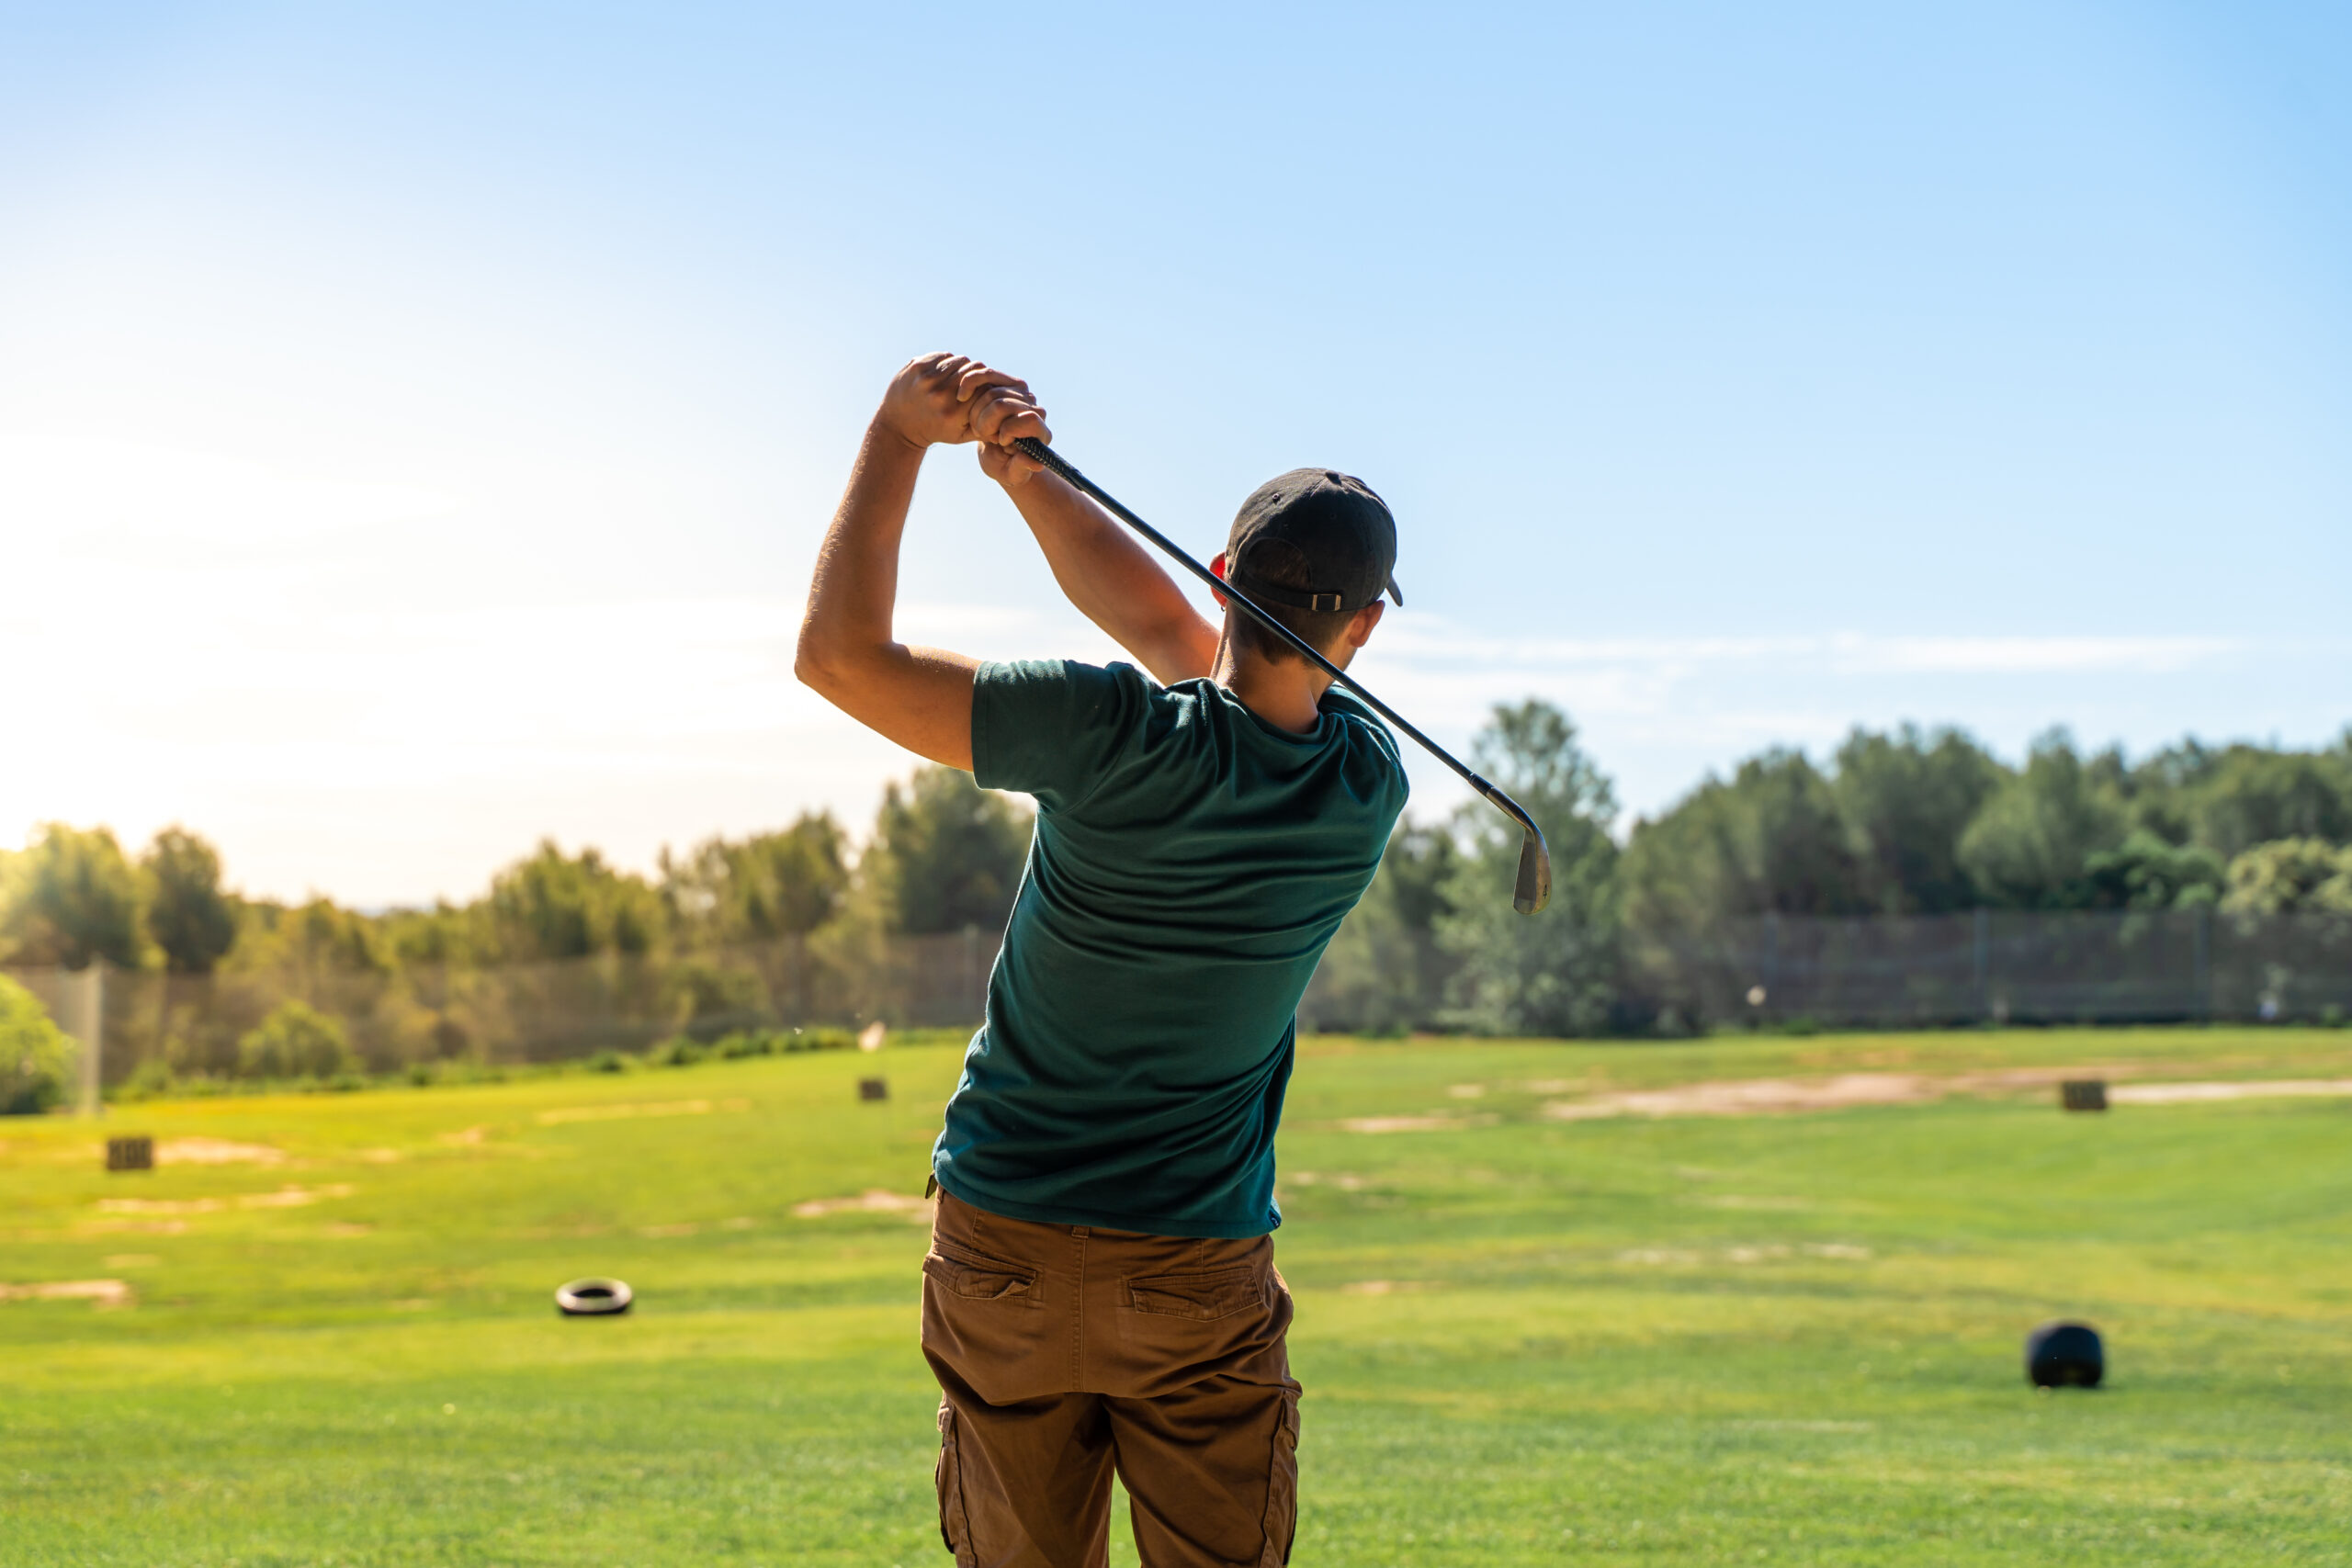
{"x": 1101, "y": 1288}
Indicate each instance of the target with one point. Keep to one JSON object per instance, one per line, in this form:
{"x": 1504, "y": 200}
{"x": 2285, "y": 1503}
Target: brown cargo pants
{"x": 1065, "y": 1351}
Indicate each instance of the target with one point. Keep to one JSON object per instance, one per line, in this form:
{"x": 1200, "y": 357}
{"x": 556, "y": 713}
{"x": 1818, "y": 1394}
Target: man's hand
{"x": 946, "y": 400}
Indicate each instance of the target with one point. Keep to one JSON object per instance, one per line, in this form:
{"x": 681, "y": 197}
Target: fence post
{"x": 1984, "y": 962}
{"x": 2201, "y": 963}
{"x": 88, "y": 990}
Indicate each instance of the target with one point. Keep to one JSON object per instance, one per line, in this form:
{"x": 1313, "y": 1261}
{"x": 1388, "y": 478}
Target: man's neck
{"x": 1282, "y": 691}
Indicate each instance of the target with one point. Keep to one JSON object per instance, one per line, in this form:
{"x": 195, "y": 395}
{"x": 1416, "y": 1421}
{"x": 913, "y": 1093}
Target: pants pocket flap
{"x": 983, "y": 1279}
{"x": 1219, "y": 1293}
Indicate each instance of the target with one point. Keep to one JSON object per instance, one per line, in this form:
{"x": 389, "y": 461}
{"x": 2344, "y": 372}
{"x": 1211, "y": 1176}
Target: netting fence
{"x": 195, "y": 1025}
{"x": 1923, "y": 972}
{"x": 1994, "y": 967}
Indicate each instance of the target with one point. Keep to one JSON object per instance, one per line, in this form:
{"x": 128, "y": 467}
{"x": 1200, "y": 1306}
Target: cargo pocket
{"x": 1282, "y": 1487}
{"x": 955, "y": 1525}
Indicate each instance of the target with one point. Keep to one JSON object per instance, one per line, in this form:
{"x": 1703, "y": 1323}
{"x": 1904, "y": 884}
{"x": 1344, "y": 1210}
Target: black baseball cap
{"x": 1343, "y": 531}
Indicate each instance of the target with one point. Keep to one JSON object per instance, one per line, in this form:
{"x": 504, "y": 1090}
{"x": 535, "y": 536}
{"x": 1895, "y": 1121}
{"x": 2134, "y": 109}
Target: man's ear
{"x": 1360, "y": 629}
{"x": 1218, "y": 567}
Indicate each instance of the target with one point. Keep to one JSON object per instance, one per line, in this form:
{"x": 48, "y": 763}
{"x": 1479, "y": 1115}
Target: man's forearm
{"x": 849, "y": 653}
{"x": 855, "y": 590}
{"x": 1114, "y": 581}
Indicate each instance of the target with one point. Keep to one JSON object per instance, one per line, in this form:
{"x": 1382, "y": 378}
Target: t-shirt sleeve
{"x": 1051, "y": 727}
{"x": 1380, "y": 766}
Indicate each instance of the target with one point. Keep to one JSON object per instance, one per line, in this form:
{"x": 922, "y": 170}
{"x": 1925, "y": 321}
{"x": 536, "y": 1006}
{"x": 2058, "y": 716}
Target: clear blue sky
{"x": 416, "y": 427}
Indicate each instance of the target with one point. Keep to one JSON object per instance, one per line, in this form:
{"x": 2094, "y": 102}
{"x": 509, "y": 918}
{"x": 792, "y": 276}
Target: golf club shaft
{"x": 1037, "y": 451}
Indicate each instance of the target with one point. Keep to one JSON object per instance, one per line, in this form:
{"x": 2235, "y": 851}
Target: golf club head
{"x": 1535, "y": 889}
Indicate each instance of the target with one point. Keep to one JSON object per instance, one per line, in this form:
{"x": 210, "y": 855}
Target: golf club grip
{"x": 1037, "y": 451}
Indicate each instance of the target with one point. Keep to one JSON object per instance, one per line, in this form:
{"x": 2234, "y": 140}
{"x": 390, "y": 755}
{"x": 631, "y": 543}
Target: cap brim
{"x": 1396, "y": 598}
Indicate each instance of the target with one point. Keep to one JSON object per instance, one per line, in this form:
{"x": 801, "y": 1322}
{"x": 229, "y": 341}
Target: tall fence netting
{"x": 194, "y": 1025}
{"x": 1936, "y": 971}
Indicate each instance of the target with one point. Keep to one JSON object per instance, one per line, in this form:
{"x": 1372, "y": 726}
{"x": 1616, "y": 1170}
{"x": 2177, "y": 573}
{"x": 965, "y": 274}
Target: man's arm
{"x": 919, "y": 697}
{"x": 1104, "y": 570}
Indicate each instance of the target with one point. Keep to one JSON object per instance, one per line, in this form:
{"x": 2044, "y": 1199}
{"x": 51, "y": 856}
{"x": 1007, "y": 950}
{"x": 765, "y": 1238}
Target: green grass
{"x": 1784, "y": 1339}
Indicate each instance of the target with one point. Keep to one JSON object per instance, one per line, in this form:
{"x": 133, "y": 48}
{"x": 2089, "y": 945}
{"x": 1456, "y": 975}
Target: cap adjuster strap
{"x": 1258, "y": 588}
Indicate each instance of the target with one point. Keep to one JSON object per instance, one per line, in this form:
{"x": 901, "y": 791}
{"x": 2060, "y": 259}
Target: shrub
{"x": 679, "y": 1051}
{"x": 746, "y": 1042}
{"x": 32, "y": 1053}
{"x": 296, "y": 1041}
{"x": 152, "y": 1080}
{"x": 608, "y": 1062}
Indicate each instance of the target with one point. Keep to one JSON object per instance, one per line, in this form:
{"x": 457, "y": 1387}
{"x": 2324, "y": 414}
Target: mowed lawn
{"x": 1701, "y": 1339}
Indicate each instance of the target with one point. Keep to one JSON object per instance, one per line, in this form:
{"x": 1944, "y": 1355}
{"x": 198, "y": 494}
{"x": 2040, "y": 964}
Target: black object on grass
{"x": 130, "y": 1153}
{"x": 873, "y": 1088}
{"x": 2083, "y": 1094}
{"x": 2064, "y": 1355}
{"x": 1533, "y": 889}
{"x": 593, "y": 1298}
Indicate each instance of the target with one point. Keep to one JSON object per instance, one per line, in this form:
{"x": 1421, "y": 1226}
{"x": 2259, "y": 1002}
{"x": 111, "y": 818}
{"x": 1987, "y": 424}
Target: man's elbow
{"x": 816, "y": 667}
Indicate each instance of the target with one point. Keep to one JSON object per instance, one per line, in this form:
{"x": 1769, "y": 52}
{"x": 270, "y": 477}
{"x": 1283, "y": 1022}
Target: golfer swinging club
{"x": 1101, "y": 1289}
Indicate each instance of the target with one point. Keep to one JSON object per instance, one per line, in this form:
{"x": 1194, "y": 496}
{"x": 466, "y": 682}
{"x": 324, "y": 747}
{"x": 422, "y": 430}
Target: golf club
{"x": 1534, "y": 886}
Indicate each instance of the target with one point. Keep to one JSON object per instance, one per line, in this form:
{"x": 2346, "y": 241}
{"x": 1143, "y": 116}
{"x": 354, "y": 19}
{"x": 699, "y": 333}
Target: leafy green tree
{"x": 1768, "y": 841}
{"x": 189, "y": 915}
{"x": 295, "y": 1041}
{"x": 1554, "y": 972}
{"x": 2031, "y": 846}
{"x": 1905, "y": 799}
{"x": 766, "y": 886}
{"x": 311, "y": 939}
{"x": 947, "y": 854}
{"x": 1385, "y": 971}
{"x": 556, "y": 905}
{"x": 33, "y": 1053}
{"x": 443, "y": 937}
{"x": 2254, "y": 795}
{"x": 2291, "y": 876}
{"x": 75, "y": 900}
{"x": 2146, "y": 873}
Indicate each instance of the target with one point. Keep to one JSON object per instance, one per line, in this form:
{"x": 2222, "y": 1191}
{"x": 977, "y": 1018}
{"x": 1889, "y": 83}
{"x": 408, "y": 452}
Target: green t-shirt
{"x": 1190, "y": 865}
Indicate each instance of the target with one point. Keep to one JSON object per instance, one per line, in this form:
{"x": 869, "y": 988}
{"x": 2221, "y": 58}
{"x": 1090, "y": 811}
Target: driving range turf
{"x": 1782, "y": 1339}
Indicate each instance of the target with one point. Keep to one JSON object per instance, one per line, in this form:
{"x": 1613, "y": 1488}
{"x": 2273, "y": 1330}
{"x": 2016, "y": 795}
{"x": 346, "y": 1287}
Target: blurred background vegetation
{"x": 809, "y": 925}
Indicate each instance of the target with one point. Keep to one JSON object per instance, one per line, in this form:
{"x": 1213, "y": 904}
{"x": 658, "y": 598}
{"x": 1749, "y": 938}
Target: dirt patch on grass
{"x": 216, "y": 1151}
{"x": 623, "y": 1112}
{"x": 873, "y": 1200}
{"x": 1405, "y": 1124}
{"x": 2195, "y": 1093}
{"x": 103, "y": 1294}
{"x": 1383, "y": 1287}
{"x": 284, "y": 1198}
{"x": 1766, "y": 1252}
{"x": 1781, "y": 1097}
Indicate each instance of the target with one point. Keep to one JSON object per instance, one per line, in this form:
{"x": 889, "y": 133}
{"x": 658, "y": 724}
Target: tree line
{"x": 1903, "y": 822}
{"x": 1896, "y": 823}
{"x": 942, "y": 854}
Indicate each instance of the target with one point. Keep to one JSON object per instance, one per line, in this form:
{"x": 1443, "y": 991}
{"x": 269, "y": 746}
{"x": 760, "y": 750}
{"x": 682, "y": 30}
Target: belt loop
{"x": 1081, "y": 1231}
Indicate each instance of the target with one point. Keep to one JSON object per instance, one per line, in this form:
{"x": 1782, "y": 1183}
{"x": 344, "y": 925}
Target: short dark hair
{"x": 1284, "y": 565}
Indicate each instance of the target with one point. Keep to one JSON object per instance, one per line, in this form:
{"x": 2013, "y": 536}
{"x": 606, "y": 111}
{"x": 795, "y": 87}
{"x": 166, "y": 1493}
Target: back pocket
{"x": 976, "y": 1277}
{"x": 1203, "y": 1297}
